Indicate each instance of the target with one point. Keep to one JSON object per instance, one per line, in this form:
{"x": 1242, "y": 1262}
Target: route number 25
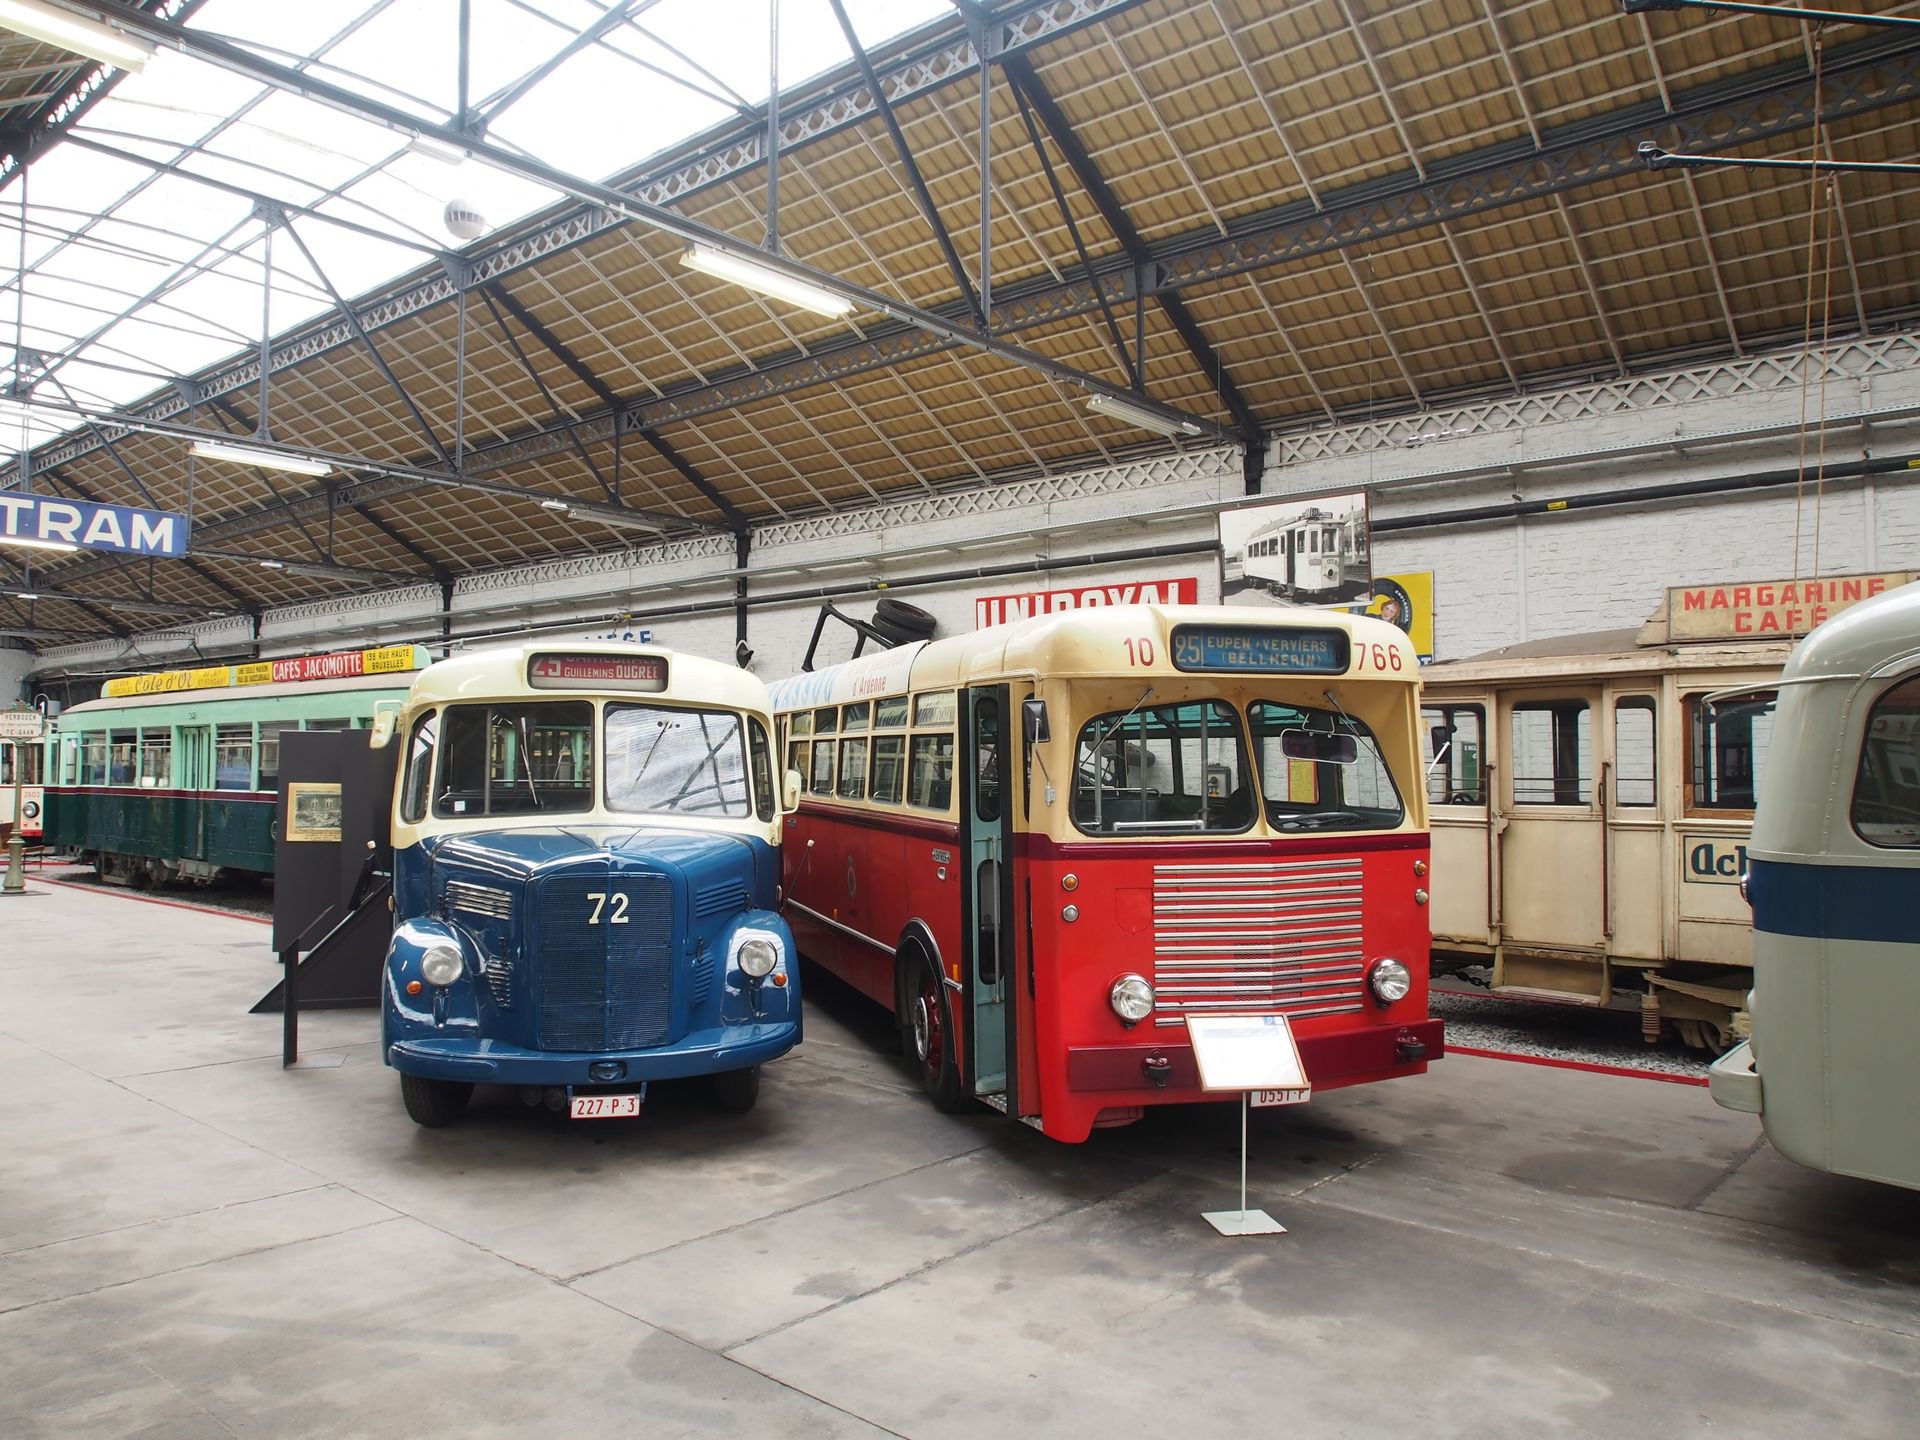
{"x": 599, "y": 899}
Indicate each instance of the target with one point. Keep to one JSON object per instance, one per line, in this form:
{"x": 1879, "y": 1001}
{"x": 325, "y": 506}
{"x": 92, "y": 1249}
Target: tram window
{"x": 986, "y": 749}
{"x": 419, "y": 778}
{"x": 1551, "y": 752}
{"x": 156, "y": 759}
{"x": 821, "y": 782}
{"x": 930, "y": 771}
{"x": 1455, "y": 754}
{"x": 270, "y": 756}
{"x": 1729, "y": 749}
{"x": 888, "y": 753}
{"x": 516, "y": 759}
{"x": 853, "y": 769}
{"x": 855, "y": 717}
{"x": 93, "y": 759}
{"x": 762, "y": 755}
{"x": 233, "y": 757}
{"x": 336, "y": 723}
{"x": 678, "y": 761}
{"x": 1886, "y": 788}
{"x": 1313, "y": 793}
{"x": 1634, "y": 764}
{"x": 123, "y": 756}
{"x": 1165, "y": 767}
{"x": 890, "y": 714}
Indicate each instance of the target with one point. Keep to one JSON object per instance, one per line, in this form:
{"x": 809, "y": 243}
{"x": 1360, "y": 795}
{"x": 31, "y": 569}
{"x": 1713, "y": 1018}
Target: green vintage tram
{"x": 181, "y": 783}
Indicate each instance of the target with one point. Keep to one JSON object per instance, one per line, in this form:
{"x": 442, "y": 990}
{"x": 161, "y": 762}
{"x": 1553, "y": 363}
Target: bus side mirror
{"x": 790, "y": 793}
{"x": 381, "y": 735}
{"x": 1033, "y": 720}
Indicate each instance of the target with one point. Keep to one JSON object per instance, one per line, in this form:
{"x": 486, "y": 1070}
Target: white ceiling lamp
{"x": 723, "y": 265}
{"x": 1139, "y": 415}
{"x": 25, "y": 595}
{"x": 615, "y": 520}
{"x": 273, "y": 564}
{"x": 36, "y": 544}
{"x": 265, "y": 459}
{"x": 559, "y": 507}
{"x": 83, "y": 36}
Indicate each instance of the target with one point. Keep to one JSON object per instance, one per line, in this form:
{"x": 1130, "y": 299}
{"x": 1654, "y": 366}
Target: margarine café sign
{"x": 46, "y": 520}
{"x": 1761, "y": 609}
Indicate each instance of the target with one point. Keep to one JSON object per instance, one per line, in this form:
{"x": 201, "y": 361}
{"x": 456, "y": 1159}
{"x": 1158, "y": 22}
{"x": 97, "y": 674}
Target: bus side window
{"x": 1634, "y": 751}
{"x": 418, "y": 783}
{"x": 986, "y": 739}
{"x": 1886, "y": 787}
{"x": 1551, "y": 754}
{"x": 930, "y": 772}
{"x": 762, "y": 756}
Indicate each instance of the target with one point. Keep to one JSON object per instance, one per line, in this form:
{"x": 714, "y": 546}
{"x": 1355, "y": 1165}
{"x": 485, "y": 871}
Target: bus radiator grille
{"x": 1260, "y": 938}
{"x": 605, "y": 986}
{"x": 728, "y": 899}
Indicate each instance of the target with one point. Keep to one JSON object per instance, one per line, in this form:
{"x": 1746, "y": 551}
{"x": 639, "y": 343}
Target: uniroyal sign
{"x": 1000, "y": 609}
{"x": 1775, "y": 609}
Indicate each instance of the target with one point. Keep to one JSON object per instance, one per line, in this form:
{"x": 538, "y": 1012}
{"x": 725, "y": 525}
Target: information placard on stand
{"x": 1255, "y": 1055}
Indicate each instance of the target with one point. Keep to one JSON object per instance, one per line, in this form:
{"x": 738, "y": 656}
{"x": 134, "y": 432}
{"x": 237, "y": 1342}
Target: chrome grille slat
{"x": 488, "y": 900}
{"x": 1259, "y": 937}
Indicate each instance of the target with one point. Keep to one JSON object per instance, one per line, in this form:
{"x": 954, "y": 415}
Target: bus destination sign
{"x": 1257, "y": 650}
{"x": 597, "y": 672}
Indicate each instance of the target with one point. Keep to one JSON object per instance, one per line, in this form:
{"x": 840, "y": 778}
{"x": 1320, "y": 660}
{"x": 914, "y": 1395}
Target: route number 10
{"x": 1139, "y": 652}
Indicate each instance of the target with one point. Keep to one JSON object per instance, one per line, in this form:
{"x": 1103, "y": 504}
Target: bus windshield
{"x": 518, "y": 758}
{"x": 1321, "y": 770}
{"x": 1163, "y": 768}
{"x": 687, "y": 762}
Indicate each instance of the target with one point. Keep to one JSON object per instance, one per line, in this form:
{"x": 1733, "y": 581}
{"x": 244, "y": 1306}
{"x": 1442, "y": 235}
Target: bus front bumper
{"x": 491, "y": 1062}
{"x": 1342, "y": 1057}
{"x": 1734, "y": 1080}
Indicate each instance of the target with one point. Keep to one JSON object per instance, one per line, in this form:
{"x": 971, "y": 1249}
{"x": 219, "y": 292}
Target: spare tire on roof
{"x": 902, "y": 623}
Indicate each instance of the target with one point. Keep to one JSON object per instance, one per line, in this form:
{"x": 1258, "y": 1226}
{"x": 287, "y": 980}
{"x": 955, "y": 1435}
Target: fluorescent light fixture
{"x": 615, "y": 520}
{"x": 723, "y": 265}
{"x": 1139, "y": 415}
{"x": 25, "y": 595}
{"x": 273, "y": 564}
{"x": 559, "y": 507}
{"x": 437, "y": 150}
{"x": 36, "y": 544}
{"x": 93, "y": 38}
{"x": 248, "y": 455}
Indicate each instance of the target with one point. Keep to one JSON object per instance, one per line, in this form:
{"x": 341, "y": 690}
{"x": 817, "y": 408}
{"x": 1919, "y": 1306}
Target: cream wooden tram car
{"x": 1591, "y": 814}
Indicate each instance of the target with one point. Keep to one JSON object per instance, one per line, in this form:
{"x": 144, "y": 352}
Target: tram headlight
{"x": 758, "y": 957}
{"x": 1389, "y": 980}
{"x": 441, "y": 965}
{"x": 1132, "y": 999}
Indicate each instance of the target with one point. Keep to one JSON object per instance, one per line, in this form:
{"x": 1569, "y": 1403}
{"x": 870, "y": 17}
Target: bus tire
{"x": 929, "y": 1032}
{"x": 903, "y": 623}
{"x": 434, "y": 1103}
{"x": 736, "y": 1090}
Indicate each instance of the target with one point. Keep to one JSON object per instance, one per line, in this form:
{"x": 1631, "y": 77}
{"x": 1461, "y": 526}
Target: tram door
{"x": 986, "y": 807}
{"x": 1636, "y": 870}
{"x": 193, "y": 771}
{"x": 1551, "y": 837}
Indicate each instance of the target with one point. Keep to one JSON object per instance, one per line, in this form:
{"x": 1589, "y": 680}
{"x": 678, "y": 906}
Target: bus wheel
{"x": 931, "y": 1029}
{"x": 434, "y": 1103}
{"x": 736, "y": 1090}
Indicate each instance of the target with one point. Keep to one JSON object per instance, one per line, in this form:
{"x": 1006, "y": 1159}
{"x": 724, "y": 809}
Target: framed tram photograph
{"x": 313, "y": 812}
{"x": 1296, "y": 552}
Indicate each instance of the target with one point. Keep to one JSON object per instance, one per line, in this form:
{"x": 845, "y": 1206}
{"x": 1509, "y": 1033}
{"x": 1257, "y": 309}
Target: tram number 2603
{"x": 616, "y": 912}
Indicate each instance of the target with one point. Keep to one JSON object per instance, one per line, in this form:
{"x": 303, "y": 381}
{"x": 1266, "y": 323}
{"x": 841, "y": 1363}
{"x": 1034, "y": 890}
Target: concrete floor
{"x": 195, "y": 1243}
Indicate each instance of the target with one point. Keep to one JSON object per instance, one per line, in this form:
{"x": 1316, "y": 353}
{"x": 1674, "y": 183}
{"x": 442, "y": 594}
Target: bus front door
{"x": 986, "y": 813}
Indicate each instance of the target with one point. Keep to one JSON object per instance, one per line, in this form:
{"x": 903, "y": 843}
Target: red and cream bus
{"x": 1044, "y": 845}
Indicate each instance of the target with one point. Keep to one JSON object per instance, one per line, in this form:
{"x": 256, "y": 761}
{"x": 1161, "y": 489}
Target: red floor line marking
{"x": 1551, "y": 1063}
{"x": 154, "y": 900}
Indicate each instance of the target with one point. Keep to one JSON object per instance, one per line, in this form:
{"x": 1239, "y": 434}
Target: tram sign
{"x": 339, "y": 665}
{"x": 1257, "y": 650}
{"x": 86, "y": 526}
{"x": 1761, "y": 609}
{"x": 597, "y": 672}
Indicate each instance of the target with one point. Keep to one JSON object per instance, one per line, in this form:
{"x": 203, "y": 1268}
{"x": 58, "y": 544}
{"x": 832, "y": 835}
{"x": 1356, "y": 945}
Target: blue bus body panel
{"x": 584, "y": 944}
{"x": 1879, "y": 903}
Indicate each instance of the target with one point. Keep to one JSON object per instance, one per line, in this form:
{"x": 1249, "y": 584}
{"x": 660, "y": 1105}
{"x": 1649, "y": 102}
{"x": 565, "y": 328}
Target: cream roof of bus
{"x": 1065, "y": 645}
{"x": 1601, "y": 653}
{"x": 1861, "y": 638}
{"x": 501, "y": 670}
{"x": 235, "y": 694}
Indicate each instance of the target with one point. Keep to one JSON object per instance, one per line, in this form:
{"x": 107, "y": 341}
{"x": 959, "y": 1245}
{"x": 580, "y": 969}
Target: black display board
{"x": 331, "y": 851}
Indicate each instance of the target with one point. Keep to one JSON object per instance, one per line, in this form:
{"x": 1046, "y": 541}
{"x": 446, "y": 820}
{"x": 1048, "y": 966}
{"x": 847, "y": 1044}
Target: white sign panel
{"x": 1247, "y": 1053}
{"x": 1296, "y": 552}
{"x": 21, "y": 724}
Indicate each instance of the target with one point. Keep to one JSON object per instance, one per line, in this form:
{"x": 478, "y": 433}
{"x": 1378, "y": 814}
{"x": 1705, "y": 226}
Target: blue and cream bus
{"x": 1834, "y": 880}
{"x": 586, "y": 865}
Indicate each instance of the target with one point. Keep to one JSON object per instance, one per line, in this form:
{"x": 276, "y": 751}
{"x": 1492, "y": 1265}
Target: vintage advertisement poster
{"x": 1405, "y": 600}
{"x": 1296, "y": 552}
{"x": 313, "y": 812}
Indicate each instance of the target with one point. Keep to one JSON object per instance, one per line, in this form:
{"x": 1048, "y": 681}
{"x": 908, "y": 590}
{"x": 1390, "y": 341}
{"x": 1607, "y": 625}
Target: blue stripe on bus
{"x": 1838, "y": 902}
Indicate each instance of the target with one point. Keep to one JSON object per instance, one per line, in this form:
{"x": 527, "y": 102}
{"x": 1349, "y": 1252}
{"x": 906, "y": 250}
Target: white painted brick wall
{"x": 13, "y": 675}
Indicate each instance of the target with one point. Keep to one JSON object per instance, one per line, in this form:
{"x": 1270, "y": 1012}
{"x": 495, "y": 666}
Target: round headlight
{"x": 1390, "y": 980}
{"x": 1131, "y": 998}
{"x": 758, "y": 957}
{"x": 441, "y": 965}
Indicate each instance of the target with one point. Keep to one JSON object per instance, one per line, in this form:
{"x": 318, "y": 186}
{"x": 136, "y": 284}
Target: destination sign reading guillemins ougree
{"x": 1255, "y": 650}
{"x": 87, "y": 526}
{"x": 597, "y": 672}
